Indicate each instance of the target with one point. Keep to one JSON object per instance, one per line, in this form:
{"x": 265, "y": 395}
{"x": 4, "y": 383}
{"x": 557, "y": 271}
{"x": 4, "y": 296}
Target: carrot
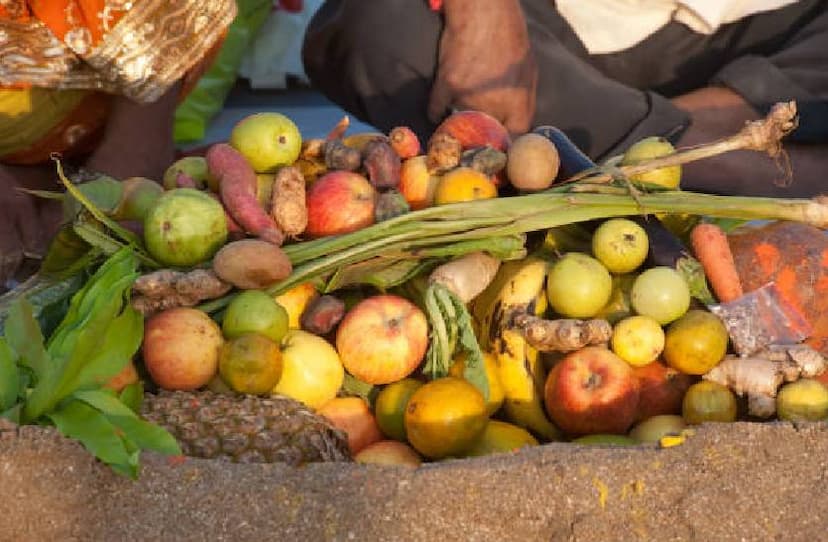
{"x": 712, "y": 249}
{"x": 404, "y": 142}
{"x": 237, "y": 185}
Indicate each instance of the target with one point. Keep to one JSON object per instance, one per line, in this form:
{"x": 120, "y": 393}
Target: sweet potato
{"x": 237, "y": 185}
{"x": 287, "y": 205}
{"x": 251, "y": 264}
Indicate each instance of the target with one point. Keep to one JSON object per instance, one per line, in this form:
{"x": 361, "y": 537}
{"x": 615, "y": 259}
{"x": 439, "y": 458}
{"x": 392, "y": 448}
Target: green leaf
{"x": 104, "y": 193}
{"x": 96, "y": 338}
{"x": 145, "y": 435}
{"x": 91, "y": 427}
{"x": 41, "y": 292}
{"x": 9, "y": 377}
{"x": 95, "y": 235}
{"x": 133, "y": 396}
{"x": 24, "y": 337}
{"x": 127, "y": 236}
{"x": 67, "y": 254}
{"x": 692, "y": 272}
{"x": 438, "y": 357}
{"x": 356, "y": 387}
{"x": 475, "y": 369}
{"x": 381, "y": 272}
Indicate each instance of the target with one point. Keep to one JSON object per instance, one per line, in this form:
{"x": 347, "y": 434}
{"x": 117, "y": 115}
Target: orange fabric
{"x": 61, "y": 16}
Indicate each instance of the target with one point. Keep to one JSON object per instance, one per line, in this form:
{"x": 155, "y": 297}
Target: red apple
{"x": 382, "y": 339}
{"x": 475, "y": 129}
{"x": 592, "y": 391}
{"x": 181, "y": 348}
{"x": 339, "y": 202}
{"x": 662, "y": 390}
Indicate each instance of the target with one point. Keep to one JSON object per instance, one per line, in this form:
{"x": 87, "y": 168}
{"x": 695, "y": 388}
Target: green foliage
{"x": 60, "y": 381}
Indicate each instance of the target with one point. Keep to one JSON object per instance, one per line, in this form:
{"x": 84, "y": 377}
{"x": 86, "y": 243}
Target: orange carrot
{"x": 712, "y": 249}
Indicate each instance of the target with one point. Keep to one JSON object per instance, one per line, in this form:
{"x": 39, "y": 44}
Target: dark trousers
{"x": 377, "y": 58}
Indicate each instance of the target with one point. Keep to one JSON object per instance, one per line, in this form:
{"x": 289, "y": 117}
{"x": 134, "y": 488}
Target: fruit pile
{"x": 473, "y": 296}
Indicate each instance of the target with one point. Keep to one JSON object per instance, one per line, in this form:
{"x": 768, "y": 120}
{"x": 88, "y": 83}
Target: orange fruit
{"x": 389, "y": 452}
{"x": 501, "y": 437}
{"x": 389, "y": 407}
{"x": 496, "y": 395}
{"x": 445, "y": 417}
{"x": 464, "y": 184}
{"x": 251, "y": 364}
{"x": 354, "y": 416}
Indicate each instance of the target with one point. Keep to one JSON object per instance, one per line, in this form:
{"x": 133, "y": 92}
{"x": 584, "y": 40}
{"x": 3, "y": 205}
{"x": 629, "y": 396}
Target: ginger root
{"x": 467, "y": 275}
{"x": 443, "y": 153}
{"x": 166, "y": 289}
{"x": 563, "y": 335}
{"x": 760, "y": 375}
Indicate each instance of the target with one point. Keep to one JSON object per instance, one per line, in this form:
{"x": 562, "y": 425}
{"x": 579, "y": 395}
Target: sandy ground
{"x": 727, "y": 482}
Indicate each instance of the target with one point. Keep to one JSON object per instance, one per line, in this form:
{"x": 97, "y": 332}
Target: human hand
{"x": 485, "y": 63}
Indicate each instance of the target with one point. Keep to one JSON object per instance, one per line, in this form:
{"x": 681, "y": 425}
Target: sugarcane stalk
{"x": 763, "y": 135}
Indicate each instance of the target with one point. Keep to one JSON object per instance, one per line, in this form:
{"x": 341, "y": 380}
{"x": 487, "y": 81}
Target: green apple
{"x": 647, "y": 149}
{"x": 267, "y": 140}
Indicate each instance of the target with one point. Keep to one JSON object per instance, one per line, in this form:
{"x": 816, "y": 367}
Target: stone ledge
{"x": 737, "y": 481}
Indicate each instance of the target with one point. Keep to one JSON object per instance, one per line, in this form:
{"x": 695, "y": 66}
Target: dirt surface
{"x": 727, "y": 482}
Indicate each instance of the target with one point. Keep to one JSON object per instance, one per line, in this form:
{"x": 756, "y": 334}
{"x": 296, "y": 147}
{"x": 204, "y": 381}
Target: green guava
{"x": 185, "y": 227}
{"x": 646, "y": 149}
{"x": 194, "y": 167}
{"x": 267, "y": 140}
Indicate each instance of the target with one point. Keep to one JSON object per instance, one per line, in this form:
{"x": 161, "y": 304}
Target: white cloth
{"x": 609, "y": 26}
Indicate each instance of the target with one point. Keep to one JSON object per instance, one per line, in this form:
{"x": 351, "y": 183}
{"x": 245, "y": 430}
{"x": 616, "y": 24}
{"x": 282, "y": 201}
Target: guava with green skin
{"x": 578, "y": 286}
{"x": 185, "y": 227}
{"x": 267, "y": 140}
{"x": 253, "y": 311}
{"x": 195, "y": 167}
{"x": 647, "y": 149}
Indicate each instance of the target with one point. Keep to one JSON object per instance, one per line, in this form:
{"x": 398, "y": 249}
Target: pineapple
{"x": 245, "y": 428}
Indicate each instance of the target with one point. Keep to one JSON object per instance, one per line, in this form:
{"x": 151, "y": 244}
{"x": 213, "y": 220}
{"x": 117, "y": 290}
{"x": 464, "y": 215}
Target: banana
{"x": 517, "y": 288}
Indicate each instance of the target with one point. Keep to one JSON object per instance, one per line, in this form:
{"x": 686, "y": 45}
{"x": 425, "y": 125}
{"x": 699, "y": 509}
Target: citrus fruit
{"x": 311, "y": 370}
{"x": 267, "y": 140}
{"x": 695, "y": 343}
{"x": 184, "y": 227}
{"x": 655, "y": 427}
{"x": 620, "y": 244}
{"x": 638, "y": 340}
{"x": 803, "y": 400}
{"x": 708, "y": 401}
{"x": 661, "y": 293}
{"x": 496, "y": 395}
{"x": 251, "y": 364}
{"x": 605, "y": 439}
{"x": 646, "y": 149}
{"x": 578, "y": 286}
{"x": 445, "y": 417}
{"x": 501, "y": 437}
{"x": 389, "y": 452}
{"x": 389, "y": 407}
{"x": 464, "y": 184}
{"x": 354, "y": 416}
{"x": 253, "y": 311}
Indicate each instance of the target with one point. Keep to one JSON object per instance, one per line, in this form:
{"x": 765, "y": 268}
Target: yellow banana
{"x": 517, "y": 288}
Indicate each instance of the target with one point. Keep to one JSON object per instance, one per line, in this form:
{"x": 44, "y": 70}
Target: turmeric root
{"x": 563, "y": 335}
{"x": 760, "y": 376}
{"x": 287, "y": 204}
{"x": 166, "y": 289}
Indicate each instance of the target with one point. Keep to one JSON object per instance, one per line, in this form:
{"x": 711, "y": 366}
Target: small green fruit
{"x": 194, "y": 167}
{"x": 185, "y": 227}
{"x": 267, "y": 140}
{"x": 253, "y": 311}
{"x": 803, "y": 400}
{"x": 578, "y": 286}
{"x": 647, "y": 149}
{"x": 138, "y": 197}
